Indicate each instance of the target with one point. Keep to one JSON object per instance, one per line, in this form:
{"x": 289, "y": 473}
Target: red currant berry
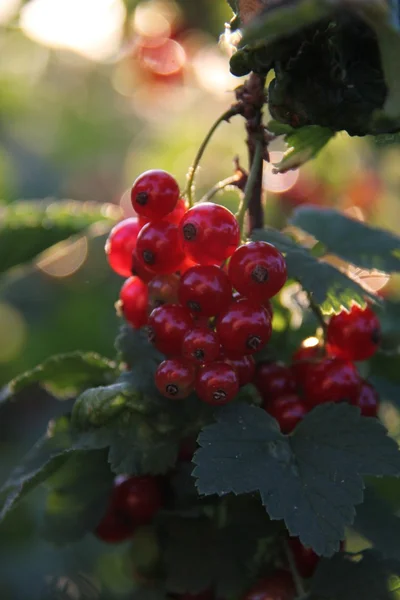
{"x": 158, "y": 247}
{"x": 175, "y": 378}
{"x": 120, "y": 246}
{"x": 140, "y": 270}
{"x": 168, "y": 325}
{"x": 154, "y": 194}
{"x": 163, "y": 289}
{"x": 217, "y": 383}
{"x": 305, "y": 356}
{"x": 187, "y": 449}
{"x": 278, "y": 586}
{"x": 205, "y": 290}
{"x": 305, "y": 558}
{"x": 355, "y": 335}
{"x": 133, "y": 302}
{"x": 331, "y": 380}
{"x": 245, "y": 368}
{"x": 368, "y": 400}
{"x": 267, "y": 304}
{"x": 257, "y": 270}
{"x": 137, "y": 498}
{"x": 244, "y": 328}
{"x": 209, "y": 233}
{"x": 287, "y": 410}
{"x": 175, "y": 217}
{"x": 274, "y": 379}
{"x": 114, "y": 528}
{"x": 200, "y": 345}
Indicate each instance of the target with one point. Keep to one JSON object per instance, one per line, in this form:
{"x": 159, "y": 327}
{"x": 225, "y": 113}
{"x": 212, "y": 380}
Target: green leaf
{"x": 311, "y": 479}
{"x": 96, "y": 406}
{"x": 200, "y": 553}
{"x": 386, "y": 389}
{"x": 79, "y": 497}
{"x": 303, "y": 144}
{"x": 329, "y": 287}
{"x": 47, "y": 456}
{"x": 376, "y": 522}
{"x": 27, "y": 228}
{"x": 354, "y": 241}
{"x": 345, "y": 578}
{"x": 64, "y": 375}
{"x": 234, "y": 5}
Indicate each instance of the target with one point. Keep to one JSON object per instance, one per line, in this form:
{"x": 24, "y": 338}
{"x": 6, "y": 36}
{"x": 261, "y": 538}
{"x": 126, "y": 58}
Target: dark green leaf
{"x": 78, "y": 498}
{"x": 329, "y": 287}
{"x": 354, "y": 241}
{"x": 64, "y": 374}
{"x": 386, "y": 389}
{"x": 234, "y": 5}
{"x": 376, "y": 522}
{"x": 46, "y": 457}
{"x": 96, "y": 406}
{"x": 311, "y": 479}
{"x": 345, "y": 578}
{"x": 29, "y": 227}
{"x": 303, "y": 144}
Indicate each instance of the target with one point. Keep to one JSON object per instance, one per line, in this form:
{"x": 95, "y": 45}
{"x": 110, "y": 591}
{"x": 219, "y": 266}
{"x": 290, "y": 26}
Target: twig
{"x": 318, "y": 314}
{"x": 298, "y": 582}
{"x": 251, "y": 186}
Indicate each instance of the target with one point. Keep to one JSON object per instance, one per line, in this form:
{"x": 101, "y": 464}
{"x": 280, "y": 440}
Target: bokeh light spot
{"x": 278, "y": 182}
{"x": 65, "y": 259}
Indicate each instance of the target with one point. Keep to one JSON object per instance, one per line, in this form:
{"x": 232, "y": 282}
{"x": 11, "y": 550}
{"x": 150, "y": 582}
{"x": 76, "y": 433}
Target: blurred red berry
{"x": 120, "y": 246}
{"x": 134, "y": 301}
{"x": 354, "y": 335}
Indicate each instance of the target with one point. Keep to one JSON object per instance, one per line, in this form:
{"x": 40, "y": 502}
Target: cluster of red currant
{"x": 134, "y": 502}
{"x": 208, "y": 296}
{"x": 319, "y": 375}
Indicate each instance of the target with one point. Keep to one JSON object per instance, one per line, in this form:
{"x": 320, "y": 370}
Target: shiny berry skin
{"x": 274, "y": 379}
{"x": 133, "y": 301}
{"x": 205, "y": 290}
{"x": 175, "y": 378}
{"x": 278, "y": 586}
{"x": 217, "y": 383}
{"x": 355, "y": 335}
{"x": 331, "y": 380}
{"x": 167, "y": 327}
{"x": 200, "y": 345}
{"x": 368, "y": 400}
{"x": 257, "y": 270}
{"x": 158, "y": 247}
{"x": 243, "y": 328}
{"x": 245, "y": 368}
{"x": 302, "y": 359}
{"x": 137, "y": 498}
{"x": 305, "y": 558}
{"x": 173, "y": 217}
{"x": 209, "y": 233}
{"x": 120, "y": 246}
{"x": 287, "y": 410}
{"x": 114, "y": 527}
{"x": 163, "y": 289}
{"x": 154, "y": 194}
{"x": 140, "y": 270}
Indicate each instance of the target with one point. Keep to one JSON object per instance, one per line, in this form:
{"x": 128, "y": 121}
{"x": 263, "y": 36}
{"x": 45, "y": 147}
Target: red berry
{"x": 140, "y": 270}
{"x": 268, "y": 306}
{"x": 257, "y": 270}
{"x": 355, "y": 335}
{"x": 163, "y": 289}
{"x": 158, "y": 247}
{"x": 305, "y": 558}
{"x": 114, "y": 527}
{"x": 200, "y": 345}
{"x": 168, "y": 325}
{"x": 278, "y": 586}
{"x": 205, "y": 290}
{"x": 244, "y": 328}
{"x": 120, "y": 246}
{"x": 303, "y": 358}
{"x": 176, "y": 215}
{"x": 209, "y": 233}
{"x": 133, "y": 302}
{"x": 154, "y": 194}
{"x": 274, "y": 379}
{"x": 331, "y": 380}
{"x": 137, "y": 498}
{"x": 187, "y": 449}
{"x": 245, "y": 368}
{"x": 217, "y": 383}
{"x": 368, "y": 400}
{"x": 287, "y": 410}
{"x": 175, "y": 378}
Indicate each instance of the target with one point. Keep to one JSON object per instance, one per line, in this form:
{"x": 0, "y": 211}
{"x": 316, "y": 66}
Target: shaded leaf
{"x": 96, "y": 406}
{"x": 27, "y": 228}
{"x": 64, "y": 374}
{"x": 311, "y": 479}
{"x": 329, "y": 287}
{"x": 386, "y": 389}
{"x": 351, "y": 240}
{"x": 303, "y": 144}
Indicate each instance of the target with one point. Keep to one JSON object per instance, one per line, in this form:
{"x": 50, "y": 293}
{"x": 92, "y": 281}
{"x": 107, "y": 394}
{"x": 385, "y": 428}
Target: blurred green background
{"x": 92, "y": 93}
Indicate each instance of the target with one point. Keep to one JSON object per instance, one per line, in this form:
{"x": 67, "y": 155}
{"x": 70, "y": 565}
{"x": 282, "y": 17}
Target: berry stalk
{"x": 298, "y": 582}
{"x": 252, "y": 191}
